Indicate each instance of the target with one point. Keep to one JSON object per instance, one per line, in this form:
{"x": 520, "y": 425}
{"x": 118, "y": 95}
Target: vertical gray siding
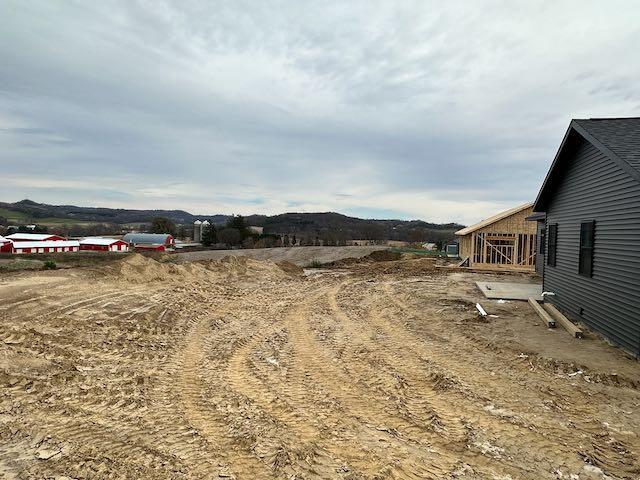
{"x": 594, "y": 188}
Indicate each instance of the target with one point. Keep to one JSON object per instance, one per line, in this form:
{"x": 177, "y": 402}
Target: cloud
{"x": 444, "y": 112}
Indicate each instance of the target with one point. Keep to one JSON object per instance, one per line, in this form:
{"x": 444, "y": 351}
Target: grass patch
{"x": 22, "y": 218}
{"x": 315, "y": 264}
{"x": 37, "y": 261}
{"x": 19, "y": 265}
{"x": 49, "y": 265}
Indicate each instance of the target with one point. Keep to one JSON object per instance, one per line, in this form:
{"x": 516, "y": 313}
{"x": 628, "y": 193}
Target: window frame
{"x": 552, "y": 244}
{"x": 586, "y": 248}
{"x": 543, "y": 241}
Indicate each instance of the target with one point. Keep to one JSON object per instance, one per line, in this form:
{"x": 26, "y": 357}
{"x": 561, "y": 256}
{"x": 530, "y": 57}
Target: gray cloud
{"x": 416, "y": 109}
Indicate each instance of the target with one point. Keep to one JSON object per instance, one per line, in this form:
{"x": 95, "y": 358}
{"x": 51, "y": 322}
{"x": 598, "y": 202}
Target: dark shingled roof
{"x": 617, "y": 138}
{"x": 620, "y": 135}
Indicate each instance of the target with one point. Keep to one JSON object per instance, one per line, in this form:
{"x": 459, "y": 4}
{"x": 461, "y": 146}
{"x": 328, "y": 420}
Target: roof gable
{"x": 620, "y": 135}
{"x": 617, "y": 138}
{"x": 496, "y": 218}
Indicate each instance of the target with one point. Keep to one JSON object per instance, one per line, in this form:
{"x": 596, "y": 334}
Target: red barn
{"x": 34, "y": 237}
{"x": 5, "y": 245}
{"x": 104, "y": 244}
{"x": 57, "y": 246}
{"x": 151, "y": 248}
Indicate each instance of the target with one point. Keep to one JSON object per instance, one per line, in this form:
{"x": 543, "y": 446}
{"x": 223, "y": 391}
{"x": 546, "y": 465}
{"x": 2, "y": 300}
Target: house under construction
{"x": 506, "y": 241}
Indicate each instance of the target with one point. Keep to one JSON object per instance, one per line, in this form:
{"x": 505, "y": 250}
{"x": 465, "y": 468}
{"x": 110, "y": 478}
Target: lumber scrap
{"x": 542, "y": 313}
{"x": 567, "y": 324}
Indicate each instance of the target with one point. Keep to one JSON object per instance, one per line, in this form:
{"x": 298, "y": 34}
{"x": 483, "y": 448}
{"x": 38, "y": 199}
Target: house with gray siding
{"x": 591, "y": 198}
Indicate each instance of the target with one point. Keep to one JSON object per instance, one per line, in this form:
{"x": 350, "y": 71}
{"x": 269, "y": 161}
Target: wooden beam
{"x": 551, "y": 323}
{"x": 567, "y": 324}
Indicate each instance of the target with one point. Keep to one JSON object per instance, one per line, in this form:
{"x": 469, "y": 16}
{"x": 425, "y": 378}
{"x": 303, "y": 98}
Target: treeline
{"x": 309, "y": 228}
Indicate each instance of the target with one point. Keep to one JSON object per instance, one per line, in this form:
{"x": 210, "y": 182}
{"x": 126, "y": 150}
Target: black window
{"x": 585, "y": 266}
{"x": 543, "y": 241}
{"x": 553, "y": 242}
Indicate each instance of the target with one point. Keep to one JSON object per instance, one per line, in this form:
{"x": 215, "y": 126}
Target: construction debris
{"x": 562, "y": 320}
{"x": 550, "y": 322}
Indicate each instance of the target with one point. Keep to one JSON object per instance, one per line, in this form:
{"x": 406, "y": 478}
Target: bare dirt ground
{"x": 250, "y": 370}
{"x": 301, "y": 256}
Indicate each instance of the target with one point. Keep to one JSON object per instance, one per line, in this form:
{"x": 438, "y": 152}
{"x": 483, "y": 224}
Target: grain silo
{"x": 197, "y": 231}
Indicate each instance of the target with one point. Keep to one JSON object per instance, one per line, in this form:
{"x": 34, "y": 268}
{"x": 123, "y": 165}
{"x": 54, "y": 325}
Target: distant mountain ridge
{"x": 286, "y": 223}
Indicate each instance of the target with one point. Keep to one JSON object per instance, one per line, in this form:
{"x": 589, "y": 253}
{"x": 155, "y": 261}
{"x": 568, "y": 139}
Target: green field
{"x": 21, "y": 218}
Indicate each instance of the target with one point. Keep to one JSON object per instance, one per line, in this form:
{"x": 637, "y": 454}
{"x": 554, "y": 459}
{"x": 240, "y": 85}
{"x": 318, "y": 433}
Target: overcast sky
{"x": 443, "y": 111}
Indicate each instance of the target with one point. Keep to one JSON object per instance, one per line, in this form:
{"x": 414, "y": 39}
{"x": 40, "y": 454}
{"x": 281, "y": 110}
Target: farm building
{"x": 591, "y": 197}
{"x": 504, "y": 241}
{"x": 34, "y": 237}
{"x": 5, "y": 245}
{"x": 104, "y": 244}
{"x": 45, "y": 246}
{"x": 146, "y": 240}
{"x": 151, "y": 248}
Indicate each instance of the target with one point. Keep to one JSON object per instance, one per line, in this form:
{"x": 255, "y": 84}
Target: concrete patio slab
{"x": 511, "y": 291}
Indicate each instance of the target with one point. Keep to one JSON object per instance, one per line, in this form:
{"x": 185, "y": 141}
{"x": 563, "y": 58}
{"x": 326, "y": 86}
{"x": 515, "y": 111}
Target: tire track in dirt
{"x": 118, "y": 438}
{"x": 449, "y": 397}
{"x": 513, "y": 429}
{"x": 418, "y": 393}
{"x": 202, "y": 415}
{"x": 421, "y": 391}
{"x": 276, "y": 378}
{"x": 122, "y": 432}
{"x": 406, "y": 456}
{"x": 243, "y": 381}
{"x": 306, "y": 448}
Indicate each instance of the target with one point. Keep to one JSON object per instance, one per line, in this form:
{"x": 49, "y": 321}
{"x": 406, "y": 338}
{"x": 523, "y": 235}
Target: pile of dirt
{"x": 246, "y": 267}
{"x": 417, "y": 267}
{"x": 290, "y": 268}
{"x": 373, "y": 257}
{"x": 142, "y": 269}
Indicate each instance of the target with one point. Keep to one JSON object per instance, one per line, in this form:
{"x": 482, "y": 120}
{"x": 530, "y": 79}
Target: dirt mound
{"x": 383, "y": 256}
{"x": 373, "y": 257}
{"x": 290, "y": 268}
{"x": 420, "y": 266}
{"x": 246, "y": 267}
{"x": 141, "y": 269}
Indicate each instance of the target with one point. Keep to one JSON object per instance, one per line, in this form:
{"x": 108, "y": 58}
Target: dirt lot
{"x": 301, "y": 256}
{"x": 250, "y": 370}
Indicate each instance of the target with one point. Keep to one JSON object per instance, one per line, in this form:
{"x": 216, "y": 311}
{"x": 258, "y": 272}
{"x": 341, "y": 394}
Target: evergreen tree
{"x": 163, "y": 225}
{"x": 209, "y": 236}
{"x": 238, "y": 222}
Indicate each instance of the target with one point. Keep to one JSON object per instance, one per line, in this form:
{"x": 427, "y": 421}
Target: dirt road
{"x": 242, "y": 369}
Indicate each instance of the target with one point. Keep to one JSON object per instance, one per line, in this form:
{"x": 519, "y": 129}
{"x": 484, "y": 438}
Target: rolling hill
{"x": 320, "y": 224}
